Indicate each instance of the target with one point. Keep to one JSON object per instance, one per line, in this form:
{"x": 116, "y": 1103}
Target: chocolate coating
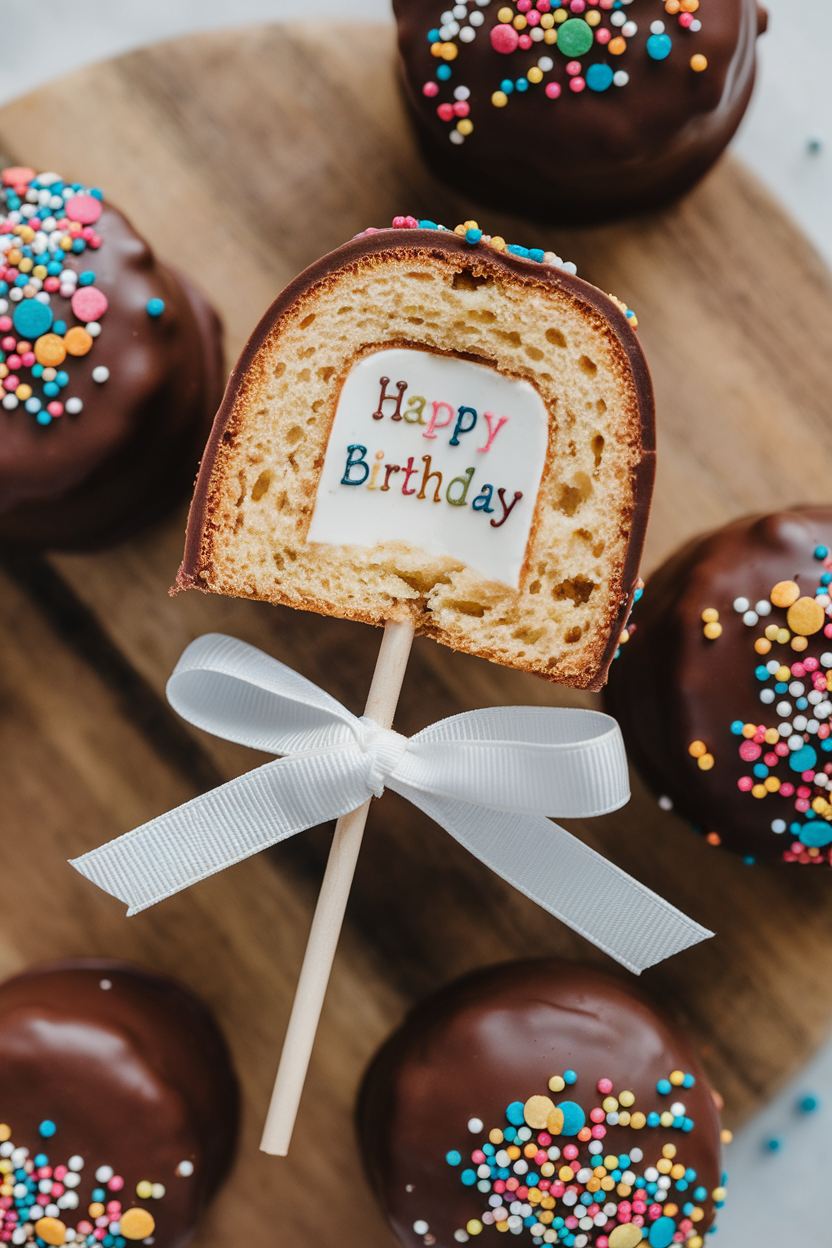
{"x": 497, "y": 1037}
{"x": 671, "y": 686}
{"x": 91, "y": 479}
{"x": 586, "y": 156}
{"x": 136, "y": 1077}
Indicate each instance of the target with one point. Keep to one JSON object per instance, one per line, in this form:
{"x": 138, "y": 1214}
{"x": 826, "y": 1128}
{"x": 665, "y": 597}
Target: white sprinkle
{"x": 636, "y": 1154}
{"x": 75, "y": 1163}
{"x": 101, "y": 373}
{"x": 767, "y": 696}
{"x": 545, "y": 63}
{"x": 475, "y": 1125}
{"x": 10, "y": 402}
{"x": 71, "y": 1179}
{"x": 421, "y": 1227}
{"x": 93, "y": 329}
{"x": 621, "y": 78}
{"x": 456, "y": 137}
{"x": 447, "y": 16}
{"x": 695, "y": 25}
{"x": 462, "y": 93}
{"x": 461, "y": 1237}
{"x": 618, "y": 19}
{"x": 657, "y": 28}
{"x": 629, "y": 29}
{"x": 73, "y": 406}
{"x": 104, "y": 1174}
{"x": 537, "y": 34}
{"x": 799, "y": 724}
{"x": 521, "y": 1166}
{"x": 467, "y": 35}
{"x": 785, "y": 730}
{"x": 185, "y": 1169}
{"x": 666, "y": 803}
{"x": 15, "y": 294}
{"x": 477, "y": 19}
{"x": 741, "y": 605}
{"x": 677, "y": 1109}
{"x": 784, "y": 708}
{"x": 763, "y": 607}
{"x": 795, "y": 743}
{"x": 778, "y": 826}
{"x": 460, "y": 10}
{"x": 750, "y": 618}
{"x": 157, "y": 1191}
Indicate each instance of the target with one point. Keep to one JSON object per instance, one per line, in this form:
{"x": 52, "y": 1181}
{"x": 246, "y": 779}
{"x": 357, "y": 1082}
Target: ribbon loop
{"x": 488, "y": 777}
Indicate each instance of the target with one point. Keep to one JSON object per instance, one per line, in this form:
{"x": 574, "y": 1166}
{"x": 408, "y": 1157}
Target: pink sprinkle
{"x": 573, "y": 68}
{"x": 88, "y": 303}
{"x": 57, "y": 1190}
{"x": 478, "y": 1156}
{"x": 60, "y": 1173}
{"x": 823, "y": 731}
{"x": 113, "y": 1206}
{"x": 557, "y": 1189}
{"x": 512, "y": 1184}
{"x": 603, "y": 35}
{"x": 827, "y": 631}
{"x": 55, "y": 408}
{"x": 430, "y": 89}
{"x": 52, "y": 284}
{"x": 504, "y": 39}
{"x": 28, "y": 360}
{"x": 597, "y": 1114}
{"x": 95, "y": 242}
{"x": 83, "y": 208}
{"x": 525, "y": 42}
{"x": 786, "y": 790}
{"x": 577, "y": 6}
{"x": 602, "y": 1242}
{"x": 541, "y": 1157}
{"x": 11, "y": 383}
{"x": 639, "y": 1206}
{"x": 544, "y": 1184}
{"x": 499, "y": 1186}
{"x": 88, "y": 233}
{"x": 522, "y": 1192}
{"x": 781, "y": 749}
{"x": 553, "y": 90}
{"x": 85, "y": 1228}
{"x": 685, "y": 20}
{"x": 8, "y": 344}
{"x": 638, "y": 1220}
{"x": 599, "y": 1132}
{"x": 445, "y": 112}
{"x": 571, "y": 1222}
{"x": 100, "y": 1232}
{"x": 14, "y": 361}
{"x": 750, "y": 751}
{"x": 462, "y": 108}
{"x": 798, "y": 669}
{"x": 533, "y": 18}
{"x": 811, "y": 665}
{"x": 523, "y": 6}
{"x": 544, "y": 5}
{"x": 655, "y": 1211}
{"x": 803, "y": 791}
{"x": 570, "y": 1152}
{"x": 745, "y": 784}
{"x": 771, "y": 760}
{"x": 544, "y": 1138}
{"x": 623, "y": 1215}
{"x": 605, "y": 1086}
{"x": 802, "y": 805}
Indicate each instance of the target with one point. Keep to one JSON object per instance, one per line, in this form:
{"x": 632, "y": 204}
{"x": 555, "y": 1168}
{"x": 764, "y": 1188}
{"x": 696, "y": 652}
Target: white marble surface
{"x": 774, "y": 1198}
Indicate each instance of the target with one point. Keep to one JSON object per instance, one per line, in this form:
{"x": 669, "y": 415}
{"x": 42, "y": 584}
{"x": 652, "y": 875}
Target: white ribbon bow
{"x": 488, "y": 777}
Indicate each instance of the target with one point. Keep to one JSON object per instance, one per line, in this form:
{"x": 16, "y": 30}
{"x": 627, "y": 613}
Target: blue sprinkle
{"x": 689, "y": 1081}
{"x": 43, "y": 418}
{"x": 774, "y": 1144}
{"x": 522, "y": 84}
{"x": 518, "y": 251}
{"x": 504, "y": 1172}
{"x": 62, "y": 378}
{"x": 762, "y": 673}
{"x": 98, "y": 1193}
{"x": 453, "y": 1158}
{"x": 760, "y": 771}
{"x": 21, "y": 280}
{"x": 96, "y": 192}
{"x": 33, "y": 404}
{"x": 468, "y": 1177}
{"x": 653, "y": 1120}
{"x": 41, "y": 1159}
{"x": 489, "y": 1150}
{"x": 615, "y": 1176}
{"x": 624, "y": 1162}
{"x": 701, "y": 1193}
{"x": 574, "y": 1118}
{"x": 86, "y": 278}
{"x": 808, "y": 1104}
{"x": 536, "y": 253}
{"x": 569, "y": 1076}
{"x": 434, "y": 36}
{"x": 826, "y": 579}
{"x": 531, "y": 1179}
{"x": 599, "y": 77}
{"x": 51, "y": 390}
{"x": 658, "y": 47}
{"x": 663, "y": 1229}
{"x": 32, "y": 318}
{"x": 428, "y": 225}
{"x": 79, "y": 245}
{"x": 530, "y": 1220}
{"x": 817, "y": 834}
{"x": 59, "y": 328}
{"x": 510, "y": 1134}
{"x": 690, "y": 1175}
{"x": 638, "y": 594}
{"x": 515, "y": 1114}
{"x": 737, "y": 727}
{"x": 4, "y": 288}
{"x": 681, "y": 1185}
{"x": 821, "y": 552}
{"x": 443, "y": 73}
{"x": 688, "y": 1207}
{"x": 749, "y": 860}
{"x": 687, "y": 1124}
{"x": 803, "y": 759}
{"x": 664, "y": 1087}
{"x": 507, "y": 86}
{"x": 155, "y": 307}
{"x": 826, "y": 745}
{"x": 37, "y": 370}
{"x": 54, "y": 269}
{"x": 471, "y": 236}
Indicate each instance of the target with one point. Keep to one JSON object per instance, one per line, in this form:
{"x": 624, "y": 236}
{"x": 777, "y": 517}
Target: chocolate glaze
{"x": 416, "y": 242}
{"x": 588, "y": 156}
{"x": 495, "y": 1037}
{"x": 137, "y": 1077}
{"x": 91, "y": 479}
{"x": 671, "y": 686}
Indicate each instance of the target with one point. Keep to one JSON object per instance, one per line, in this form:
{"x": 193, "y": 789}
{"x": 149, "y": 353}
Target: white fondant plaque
{"x": 437, "y": 452}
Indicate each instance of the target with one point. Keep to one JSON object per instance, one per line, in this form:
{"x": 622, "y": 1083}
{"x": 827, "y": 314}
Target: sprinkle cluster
{"x": 786, "y": 758}
{"x": 471, "y": 232}
{"x": 44, "y": 224}
{"x": 573, "y": 29}
{"x": 38, "y": 1200}
{"x": 607, "y": 1201}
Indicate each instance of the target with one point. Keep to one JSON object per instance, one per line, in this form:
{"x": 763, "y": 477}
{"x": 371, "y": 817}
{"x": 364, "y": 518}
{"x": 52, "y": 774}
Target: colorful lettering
{"x": 427, "y": 475}
{"x": 434, "y": 423}
{"x": 460, "y": 427}
{"x": 356, "y": 458}
{"x": 389, "y": 469}
{"x": 489, "y": 418}
{"x": 415, "y": 404}
{"x": 464, "y": 481}
{"x": 408, "y": 473}
{"x": 372, "y": 484}
{"x": 501, "y": 494}
{"x": 401, "y": 386}
{"x": 483, "y": 500}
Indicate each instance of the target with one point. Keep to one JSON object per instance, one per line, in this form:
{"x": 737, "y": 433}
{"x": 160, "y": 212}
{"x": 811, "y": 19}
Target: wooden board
{"x": 243, "y": 156}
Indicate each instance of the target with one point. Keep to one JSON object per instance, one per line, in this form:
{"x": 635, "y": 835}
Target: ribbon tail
{"x": 574, "y": 883}
{"x": 226, "y": 825}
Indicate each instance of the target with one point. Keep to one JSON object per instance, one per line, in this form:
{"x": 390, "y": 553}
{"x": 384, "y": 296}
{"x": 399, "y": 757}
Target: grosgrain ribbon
{"x": 488, "y": 777}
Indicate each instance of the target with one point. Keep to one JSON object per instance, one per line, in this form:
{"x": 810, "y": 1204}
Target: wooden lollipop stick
{"x": 329, "y": 912}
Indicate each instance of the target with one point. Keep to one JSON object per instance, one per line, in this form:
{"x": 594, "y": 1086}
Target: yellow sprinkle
{"x": 465, "y": 125}
{"x": 666, "y": 1119}
{"x": 698, "y": 63}
{"x": 759, "y": 790}
{"x": 638, "y": 1121}
{"x": 712, "y": 631}
{"x": 547, "y": 21}
{"x": 50, "y": 1230}
{"x": 556, "y": 1084}
{"x": 136, "y": 1223}
{"x": 513, "y": 1152}
{"x": 66, "y": 241}
{"x": 772, "y": 736}
{"x": 697, "y": 1215}
{"x": 505, "y": 15}
{"x": 5, "y": 1132}
{"x": 550, "y": 36}
{"x": 697, "y": 748}
{"x": 536, "y": 1111}
{"x": 799, "y": 643}
{"x": 726, "y": 1136}
{"x": 26, "y": 265}
{"x": 95, "y": 1210}
{"x": 474, "y": 1226}
{"x": 470, "y": 225}
{"x": 607, "y": 1184}
{"x": 677, "y": 1078}
{"x": 678, "y": 1172}
{"x": 748, "y": 730}
{"x": 625, "y": 1236}
{"x": 617, "y": 46}
{"x": 566, "y": 1174}
{"x": 519, "y": 22}
{"x": 499, "y": 244}
{"x": 495, "y": 1136}
{"x": 805, "y": 617}
{"x": 592, "y": 19}
{"x": 626, "y": 1098}
{"x": 535, "y": 74}
{"x": 695, "y": 1242}
{"x": 719, "y": 1193}
{"x": 771, "y": 631}
{"x": 784, "y": 593}
{"x": 783, "y": 673}
{"x": 561, "y": 15}
{"x": 783, "y": 636}
{"x": 144, "y": 1190}
{"x": 772, "y": 784}
{"x": 499, "y": 99}
{"x": 501, "y": 1226}
{"x": 664, "y": 1164}
{"x": 547, "y": 1169}
{"x": 624, "y": 1118}
{"x": 554, "y": 1123}
{"x": 610, "y": 1105}
{"x": 611, "y": 1162}
{"x": 23, "y": 392}
{"x": 668, "y": 1152}
{"x": 706, "y": 762}
{"x": 459, "y": 229}
{"x": 710, "y": 615}
{"x": 762, "y": 645}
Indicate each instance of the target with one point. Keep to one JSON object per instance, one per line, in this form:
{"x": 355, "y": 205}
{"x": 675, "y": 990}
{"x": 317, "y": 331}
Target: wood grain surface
{"x": 243, "y": 156}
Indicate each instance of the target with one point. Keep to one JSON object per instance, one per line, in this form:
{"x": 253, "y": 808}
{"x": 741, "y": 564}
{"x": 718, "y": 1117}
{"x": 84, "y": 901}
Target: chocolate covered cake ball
{"x": 110, "y": 365}
{"x": 585, "y": 109}
{"x": 547, "y": 1100}
{"x": 118, "y": 1107}
{"x": 723, "y": 688}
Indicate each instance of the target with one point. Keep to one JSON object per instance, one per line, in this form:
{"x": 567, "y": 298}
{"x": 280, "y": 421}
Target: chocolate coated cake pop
{"x": 118, "y": 1107}
{"x": 723, "y": 688}
{"x": 586, "y": 110}
{"x": 544, "y": 1099}
{"x": 110, "y": 364}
